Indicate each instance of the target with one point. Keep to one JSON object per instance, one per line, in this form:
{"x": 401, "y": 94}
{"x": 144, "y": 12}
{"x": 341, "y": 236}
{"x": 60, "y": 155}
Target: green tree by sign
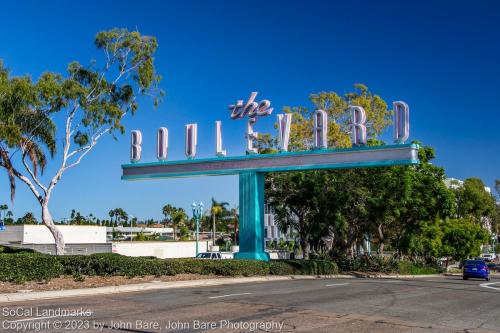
{"x": 473, "y": 201}
{"x": 93, "y": 100}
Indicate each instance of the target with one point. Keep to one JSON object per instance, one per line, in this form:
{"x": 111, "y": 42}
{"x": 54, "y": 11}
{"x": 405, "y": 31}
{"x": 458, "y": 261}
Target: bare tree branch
{"x": 32, "y": 174}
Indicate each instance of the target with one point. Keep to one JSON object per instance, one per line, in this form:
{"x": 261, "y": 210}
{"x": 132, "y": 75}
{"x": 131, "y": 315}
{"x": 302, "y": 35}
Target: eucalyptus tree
{"x": 93, "y": 100}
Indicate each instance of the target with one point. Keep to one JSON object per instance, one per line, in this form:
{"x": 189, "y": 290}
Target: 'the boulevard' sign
{"x": 253, "y": 110}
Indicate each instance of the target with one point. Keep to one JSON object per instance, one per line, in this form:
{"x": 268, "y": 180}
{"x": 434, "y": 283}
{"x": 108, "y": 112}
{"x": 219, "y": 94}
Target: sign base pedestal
{"x": 252, "y": 256}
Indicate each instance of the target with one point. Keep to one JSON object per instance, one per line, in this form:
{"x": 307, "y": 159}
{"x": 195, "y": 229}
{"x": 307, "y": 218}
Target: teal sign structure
{"x": 252, "y": 167}
{"x": 251, "y": 170}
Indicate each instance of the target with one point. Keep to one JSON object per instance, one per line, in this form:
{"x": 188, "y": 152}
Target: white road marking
{"x": 336, "y": 284}
{"x": 230, "y": 295}
{"x": 488, "y": 285}
{"x": 35, "y": 318}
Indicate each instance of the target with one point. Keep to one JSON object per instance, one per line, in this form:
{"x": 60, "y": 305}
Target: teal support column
{"x": 251, "y": 219}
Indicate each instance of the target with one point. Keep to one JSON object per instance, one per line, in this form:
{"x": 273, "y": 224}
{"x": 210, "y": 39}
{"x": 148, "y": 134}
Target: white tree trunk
{"x": 54, "y": 230}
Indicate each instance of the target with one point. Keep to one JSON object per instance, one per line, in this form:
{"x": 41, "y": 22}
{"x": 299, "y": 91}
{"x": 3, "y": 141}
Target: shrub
{"x": 21, "y": 267}
{"x": 40, "y": 267}
{"x": 312, "y": 267}
{"x": 416, "y": 268}
{"x": 387, "y": 265}
{"x": 368, "y": 264}
{"x": 8, "y": 249}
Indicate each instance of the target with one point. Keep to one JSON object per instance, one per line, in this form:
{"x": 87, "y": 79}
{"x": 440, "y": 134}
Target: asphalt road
{"x": 437, "y": 304}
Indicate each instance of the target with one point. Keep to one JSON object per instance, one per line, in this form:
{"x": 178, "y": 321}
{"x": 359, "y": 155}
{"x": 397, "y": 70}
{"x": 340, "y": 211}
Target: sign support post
{"x": 251, "y": 216}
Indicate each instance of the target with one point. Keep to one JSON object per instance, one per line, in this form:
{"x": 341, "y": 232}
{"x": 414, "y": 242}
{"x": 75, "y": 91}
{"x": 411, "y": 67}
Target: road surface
{"x": 433, "y": 304}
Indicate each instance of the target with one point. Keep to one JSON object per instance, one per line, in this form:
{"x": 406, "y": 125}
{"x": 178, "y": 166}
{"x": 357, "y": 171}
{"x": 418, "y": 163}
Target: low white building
{"x": 79, "y": 239}
{"x": 132, "y": 232}
{"x": 185, "y": 249}
{"x": 87, "y": 239}
{"x": 40, "y": 234}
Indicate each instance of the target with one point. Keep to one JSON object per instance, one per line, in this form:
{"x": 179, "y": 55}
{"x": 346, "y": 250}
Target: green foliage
{"x": 386, "y": 265}
{"x": 455, "y": 238}
{"x": 473, "y": 201}
{"x": 25, "y": 124}
{"x": 368, "y": 264}
{"x": 140, "y": 237}
{"x": 428, "y": 240}
{"x": 21, "y": 267}
{"x": 416, "y": 268}
{"x": 176, "y": 217}
{"x": 113, "y": 264}
{"x": 8, "y": 249}
{"x": 463, "y": 238}
{"x": 32, "y": 266}
{"x": 28, "y": 218}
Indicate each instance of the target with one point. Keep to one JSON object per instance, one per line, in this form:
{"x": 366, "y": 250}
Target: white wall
{"x": 159, "y": 249}
{"x": 12, "y": 234}
{"x": 40, "y": 234}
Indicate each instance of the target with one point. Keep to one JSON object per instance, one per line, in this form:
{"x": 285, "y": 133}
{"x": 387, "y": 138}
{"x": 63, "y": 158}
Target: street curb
{"x": 30, "y": 296}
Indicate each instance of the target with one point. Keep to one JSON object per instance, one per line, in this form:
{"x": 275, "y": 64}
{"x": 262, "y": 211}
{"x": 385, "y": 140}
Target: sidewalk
{"x": 29, "y": 296}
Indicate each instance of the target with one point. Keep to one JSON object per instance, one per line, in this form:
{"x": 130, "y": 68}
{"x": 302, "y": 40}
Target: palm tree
{"x": 217, "y": 210}
{"x": 178, "y": 218}
{"x": 24, "y": 126}
{"x": 3, "y": 208}
{"x": 10, "y": 215}
{"x": 167, "y": 211}
{"x": 111, "y": 214}
{"x": 235, "y": 218}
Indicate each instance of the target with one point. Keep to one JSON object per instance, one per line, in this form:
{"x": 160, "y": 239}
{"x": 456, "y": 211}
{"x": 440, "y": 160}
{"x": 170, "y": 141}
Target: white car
{"x": 489, "y": 256}
{"x": 215, "y": 255}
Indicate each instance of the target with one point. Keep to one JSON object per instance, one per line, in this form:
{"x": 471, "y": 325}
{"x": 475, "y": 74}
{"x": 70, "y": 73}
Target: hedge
{"x": 39, "y": 267}
{"x": 386, "y": 265}
{"x": 21, "y": 267}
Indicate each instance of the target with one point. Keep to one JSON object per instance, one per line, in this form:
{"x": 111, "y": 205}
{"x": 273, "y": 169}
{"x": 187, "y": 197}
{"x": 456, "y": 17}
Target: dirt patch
{"x": 68, "y": 282}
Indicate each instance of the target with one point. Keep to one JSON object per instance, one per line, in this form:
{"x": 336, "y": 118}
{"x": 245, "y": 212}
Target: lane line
{"x": 336, "y": 284}
{"x": 221, "y": 296}
{"x": 35, "y": 318}
{"x": 487, "y": 285}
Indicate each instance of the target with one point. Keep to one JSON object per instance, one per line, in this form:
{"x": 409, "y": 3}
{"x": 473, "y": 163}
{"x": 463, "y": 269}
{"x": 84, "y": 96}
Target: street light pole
{"x": 197, "y": 211}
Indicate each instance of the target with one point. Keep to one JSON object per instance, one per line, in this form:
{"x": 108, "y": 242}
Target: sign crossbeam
{"x": 401, "y": 154}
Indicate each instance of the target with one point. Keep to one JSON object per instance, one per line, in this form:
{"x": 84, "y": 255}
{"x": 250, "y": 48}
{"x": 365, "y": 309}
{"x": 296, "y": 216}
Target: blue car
{"x": 476, "y": 269}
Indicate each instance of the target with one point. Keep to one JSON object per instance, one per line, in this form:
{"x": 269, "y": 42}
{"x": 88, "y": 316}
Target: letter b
{"x": 135, "y": 146}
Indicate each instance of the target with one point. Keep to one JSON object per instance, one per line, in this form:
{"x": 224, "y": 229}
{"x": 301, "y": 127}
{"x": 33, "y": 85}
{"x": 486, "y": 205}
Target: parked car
{"x": 215, "y": 255}
{"x": 488, "y": 257}
{"x": 476, "y": 269}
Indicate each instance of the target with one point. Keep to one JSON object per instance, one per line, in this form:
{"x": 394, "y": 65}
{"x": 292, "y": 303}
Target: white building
{"x": 126, "y": 233}
{"x": 40, "y": 234}
{"x": 186, "y": 249}
{"x": 87, "y": 239}
{"x": 271, "y": 230}
{"x": 79, "y": 239}
{"x": 454, "y": 183}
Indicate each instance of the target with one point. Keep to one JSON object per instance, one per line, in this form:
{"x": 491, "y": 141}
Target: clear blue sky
{"x": 441, "y": 57}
